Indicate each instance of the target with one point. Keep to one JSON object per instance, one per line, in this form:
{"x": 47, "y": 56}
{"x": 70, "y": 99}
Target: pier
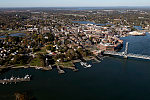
{"x": 15, "y": 80}
{"x": 126, "y": 55}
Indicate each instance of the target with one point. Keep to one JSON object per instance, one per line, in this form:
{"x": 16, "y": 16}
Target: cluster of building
{"x": 89, "y": 35}
{"x": 110, "y": 44}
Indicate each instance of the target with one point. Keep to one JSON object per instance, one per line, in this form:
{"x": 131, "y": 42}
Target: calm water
{"x": 88, "y": 22}
{"x": 112, "y": 79}
{"x": 138, "y": 27}
{"x": 83, "y": 22}
{"x": 15, "y": 34}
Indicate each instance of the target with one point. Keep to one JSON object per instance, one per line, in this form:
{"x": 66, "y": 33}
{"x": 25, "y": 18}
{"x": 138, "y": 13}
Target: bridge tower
{"x": 126, "y": 49}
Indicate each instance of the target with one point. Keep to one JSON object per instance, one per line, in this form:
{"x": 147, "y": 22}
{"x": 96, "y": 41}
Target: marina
{"x": 15, "y": 79}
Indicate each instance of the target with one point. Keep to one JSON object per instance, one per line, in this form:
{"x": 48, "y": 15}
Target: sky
{"x": 72, "y": 3}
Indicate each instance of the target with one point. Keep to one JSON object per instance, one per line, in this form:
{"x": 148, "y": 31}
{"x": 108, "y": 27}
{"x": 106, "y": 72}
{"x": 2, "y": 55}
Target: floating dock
{"x": 16, "y": 79}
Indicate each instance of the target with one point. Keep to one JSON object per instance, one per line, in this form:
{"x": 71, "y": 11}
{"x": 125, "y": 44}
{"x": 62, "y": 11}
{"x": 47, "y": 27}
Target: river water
{"x": 112, "y": 79}
{"x": 15, "y": 34}
{"x": 88, "y": 22}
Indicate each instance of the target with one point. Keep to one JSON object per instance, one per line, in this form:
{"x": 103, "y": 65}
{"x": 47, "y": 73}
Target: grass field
{"x": 65, "y": 64}
{"x": 36, "y": 62}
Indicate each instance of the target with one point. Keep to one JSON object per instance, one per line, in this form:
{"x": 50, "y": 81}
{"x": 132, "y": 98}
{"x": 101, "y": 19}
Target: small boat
{"x": 12, "y": 78}
{"x": 89, "y": 66}
{"x": 5, "y": 79}
{"x": 27, "y": 77}
{"x": 82, "y": 63}
{"x": 85, "y": 65}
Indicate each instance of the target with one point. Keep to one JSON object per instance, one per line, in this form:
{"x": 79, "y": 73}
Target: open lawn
{"x": 65, "y": 64}
{"x": 36, "y": 62}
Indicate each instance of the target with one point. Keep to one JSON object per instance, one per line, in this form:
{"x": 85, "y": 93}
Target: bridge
{"x": 125, "y": 54}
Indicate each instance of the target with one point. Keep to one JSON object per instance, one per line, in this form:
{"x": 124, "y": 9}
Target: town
{"x": 53, "y": 37}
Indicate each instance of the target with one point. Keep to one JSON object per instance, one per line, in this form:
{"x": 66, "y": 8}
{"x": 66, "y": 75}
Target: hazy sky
{"x": 72, "y": 3}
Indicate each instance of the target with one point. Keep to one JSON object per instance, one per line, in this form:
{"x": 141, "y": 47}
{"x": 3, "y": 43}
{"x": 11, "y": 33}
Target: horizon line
{"x": 71, "y": 6}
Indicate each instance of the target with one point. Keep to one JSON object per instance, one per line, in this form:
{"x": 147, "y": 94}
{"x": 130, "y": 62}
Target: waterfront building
{"x": 106, "y": 47}
{"x": 110, "y": 45}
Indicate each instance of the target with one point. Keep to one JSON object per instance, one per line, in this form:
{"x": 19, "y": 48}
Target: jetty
{"x": 60, "y": 71}
{"x": 16, "y": 79}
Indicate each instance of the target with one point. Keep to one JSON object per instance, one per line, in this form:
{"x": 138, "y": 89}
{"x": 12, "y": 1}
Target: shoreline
{"x": 88, "y": 58}
{"x": 72, "y": 67}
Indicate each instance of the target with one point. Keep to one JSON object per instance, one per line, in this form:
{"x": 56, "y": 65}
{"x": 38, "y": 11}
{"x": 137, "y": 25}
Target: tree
{"x": 48, "y": 47}
{"x": 50, "y": 37}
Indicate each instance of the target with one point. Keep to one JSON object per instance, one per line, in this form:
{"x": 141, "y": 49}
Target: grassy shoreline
{"x": 63, "y": 65}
